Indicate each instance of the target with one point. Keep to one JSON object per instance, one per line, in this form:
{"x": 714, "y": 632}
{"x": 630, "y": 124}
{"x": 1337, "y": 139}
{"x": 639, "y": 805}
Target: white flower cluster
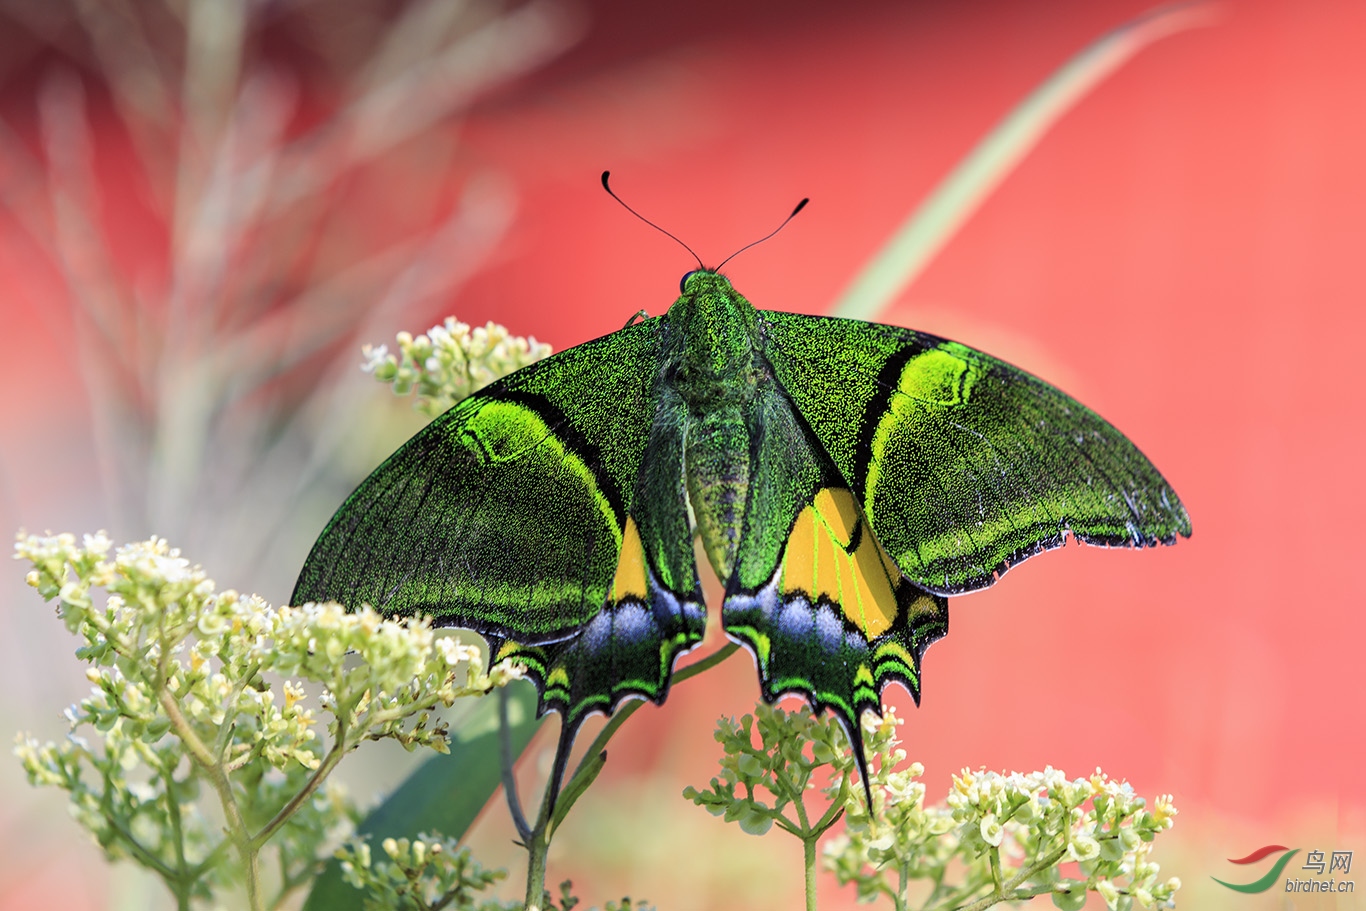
{"x": 451, "y": 361}
{"x": 1012, "y": 831}
{"x": 427, "y": 872}
{"x": 192, "y": 686}
{"x": 1101, "y": 824}
{"x": 792, "y": 748}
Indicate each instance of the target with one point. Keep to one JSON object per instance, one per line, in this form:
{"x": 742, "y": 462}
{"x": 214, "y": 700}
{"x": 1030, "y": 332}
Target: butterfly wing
{"x": 519, "y": 514}
{"x": 963, "y": 464}
{"x": 814, "y": 595}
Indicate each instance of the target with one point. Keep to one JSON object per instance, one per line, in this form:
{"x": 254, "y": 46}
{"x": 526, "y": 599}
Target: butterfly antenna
{"x": 801, "y": 205}
{"x": 605, "y": 175}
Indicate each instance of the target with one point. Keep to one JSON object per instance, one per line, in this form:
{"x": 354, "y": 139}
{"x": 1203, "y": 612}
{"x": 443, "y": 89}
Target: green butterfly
{"x": 843, "y": 477}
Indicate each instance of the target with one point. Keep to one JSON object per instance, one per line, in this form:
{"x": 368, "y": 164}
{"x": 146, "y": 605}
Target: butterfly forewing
{"x": 963, "y": 464}
{"x": 517, "y": 514}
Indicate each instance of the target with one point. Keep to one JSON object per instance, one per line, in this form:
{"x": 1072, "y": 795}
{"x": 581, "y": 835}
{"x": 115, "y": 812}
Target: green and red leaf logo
{"x": 1272, "y": 875}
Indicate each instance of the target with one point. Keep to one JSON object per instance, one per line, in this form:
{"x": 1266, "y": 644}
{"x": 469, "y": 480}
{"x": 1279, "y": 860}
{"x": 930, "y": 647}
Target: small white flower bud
{"x": 992, "y": 831}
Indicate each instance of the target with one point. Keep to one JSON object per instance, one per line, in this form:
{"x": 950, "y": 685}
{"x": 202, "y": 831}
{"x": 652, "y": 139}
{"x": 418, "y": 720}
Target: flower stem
{"x": 537, "y": 848}
{"x": 809, "y": 857}
{"x": 218, "y": 777}
{"x": 324, "y": 769}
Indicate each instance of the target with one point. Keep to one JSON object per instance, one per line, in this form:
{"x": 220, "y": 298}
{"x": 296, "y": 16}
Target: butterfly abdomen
{"x": 716, "y": 467}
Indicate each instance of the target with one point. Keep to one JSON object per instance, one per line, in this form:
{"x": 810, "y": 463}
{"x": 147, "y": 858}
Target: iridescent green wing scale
{"x": 544, "y": 513}
{"x": 814, "y": 595}
{"x": 963, "y": 464}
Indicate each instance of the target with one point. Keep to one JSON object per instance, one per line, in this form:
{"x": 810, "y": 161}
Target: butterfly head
{"x": 705, "y": 289}
{"x": 697, "y": 281}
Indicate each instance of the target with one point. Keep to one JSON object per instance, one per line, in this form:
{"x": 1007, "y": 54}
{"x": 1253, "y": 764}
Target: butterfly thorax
{"x": 710, "y": 344}
{"x": 711, "y": 361}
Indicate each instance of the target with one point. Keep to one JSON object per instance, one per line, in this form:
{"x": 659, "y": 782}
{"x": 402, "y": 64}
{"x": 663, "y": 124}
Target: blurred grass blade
{"x": 444, "y": 795}
{"x": 934, "y": 222}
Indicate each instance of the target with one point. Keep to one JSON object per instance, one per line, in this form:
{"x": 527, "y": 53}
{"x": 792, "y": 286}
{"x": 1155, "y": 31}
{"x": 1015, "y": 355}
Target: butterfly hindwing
{"x": 653, "y": 609}
{"x": 963, "y": 464}
{"x": 531, "y": 513}
{"x": 814, "y": 595}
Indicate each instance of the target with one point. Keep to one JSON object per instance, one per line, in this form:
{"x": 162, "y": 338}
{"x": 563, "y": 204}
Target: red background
{"x": 1182, "y": 253}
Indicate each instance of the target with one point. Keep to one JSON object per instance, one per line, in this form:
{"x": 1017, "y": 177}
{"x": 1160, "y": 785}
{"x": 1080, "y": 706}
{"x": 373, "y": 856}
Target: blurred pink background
{"x": 1182, "y": 253}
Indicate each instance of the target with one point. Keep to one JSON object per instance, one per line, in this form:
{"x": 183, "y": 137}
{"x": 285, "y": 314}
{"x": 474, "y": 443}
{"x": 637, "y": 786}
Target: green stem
{"x": 538, "y": 846}
{"x": 626, "y": 711}
{"x": 505, "y": 761}
{"x": 324, "y": 769}
{"x": 220, "y": 747}
{"x": 809, "y": 857}
{"x": 1007, "y": 891}
{"x": 600, "y": 742}
{"x": 184, "y": 879}
{"x": 218, "y": 777}
{"x": 537, "y": 849}
{"x": 707, "y": 663}
{"x": 834, "y": 812}
{"x": 995, "y": 858}
{"x": 138, "y": 850}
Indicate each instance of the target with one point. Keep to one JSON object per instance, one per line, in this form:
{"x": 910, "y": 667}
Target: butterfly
{"x": 844, "y": 478}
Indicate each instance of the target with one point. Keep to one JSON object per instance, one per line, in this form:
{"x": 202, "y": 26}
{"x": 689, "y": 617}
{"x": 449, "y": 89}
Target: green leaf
{"x": 592, "y": 767}
{"x": 444, "y": 795}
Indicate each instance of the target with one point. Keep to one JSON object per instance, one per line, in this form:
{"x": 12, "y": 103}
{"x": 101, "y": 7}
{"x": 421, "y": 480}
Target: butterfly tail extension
{"x": 652, "y": 613}
{"x": 568, "y": 732}
{"x": 855, "y": 735}
{"x": 546, "y": 667}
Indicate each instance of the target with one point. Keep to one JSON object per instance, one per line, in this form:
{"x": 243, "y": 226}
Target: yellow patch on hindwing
{"x": 630, "y": 581}
{"x": 820, "y": 562}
